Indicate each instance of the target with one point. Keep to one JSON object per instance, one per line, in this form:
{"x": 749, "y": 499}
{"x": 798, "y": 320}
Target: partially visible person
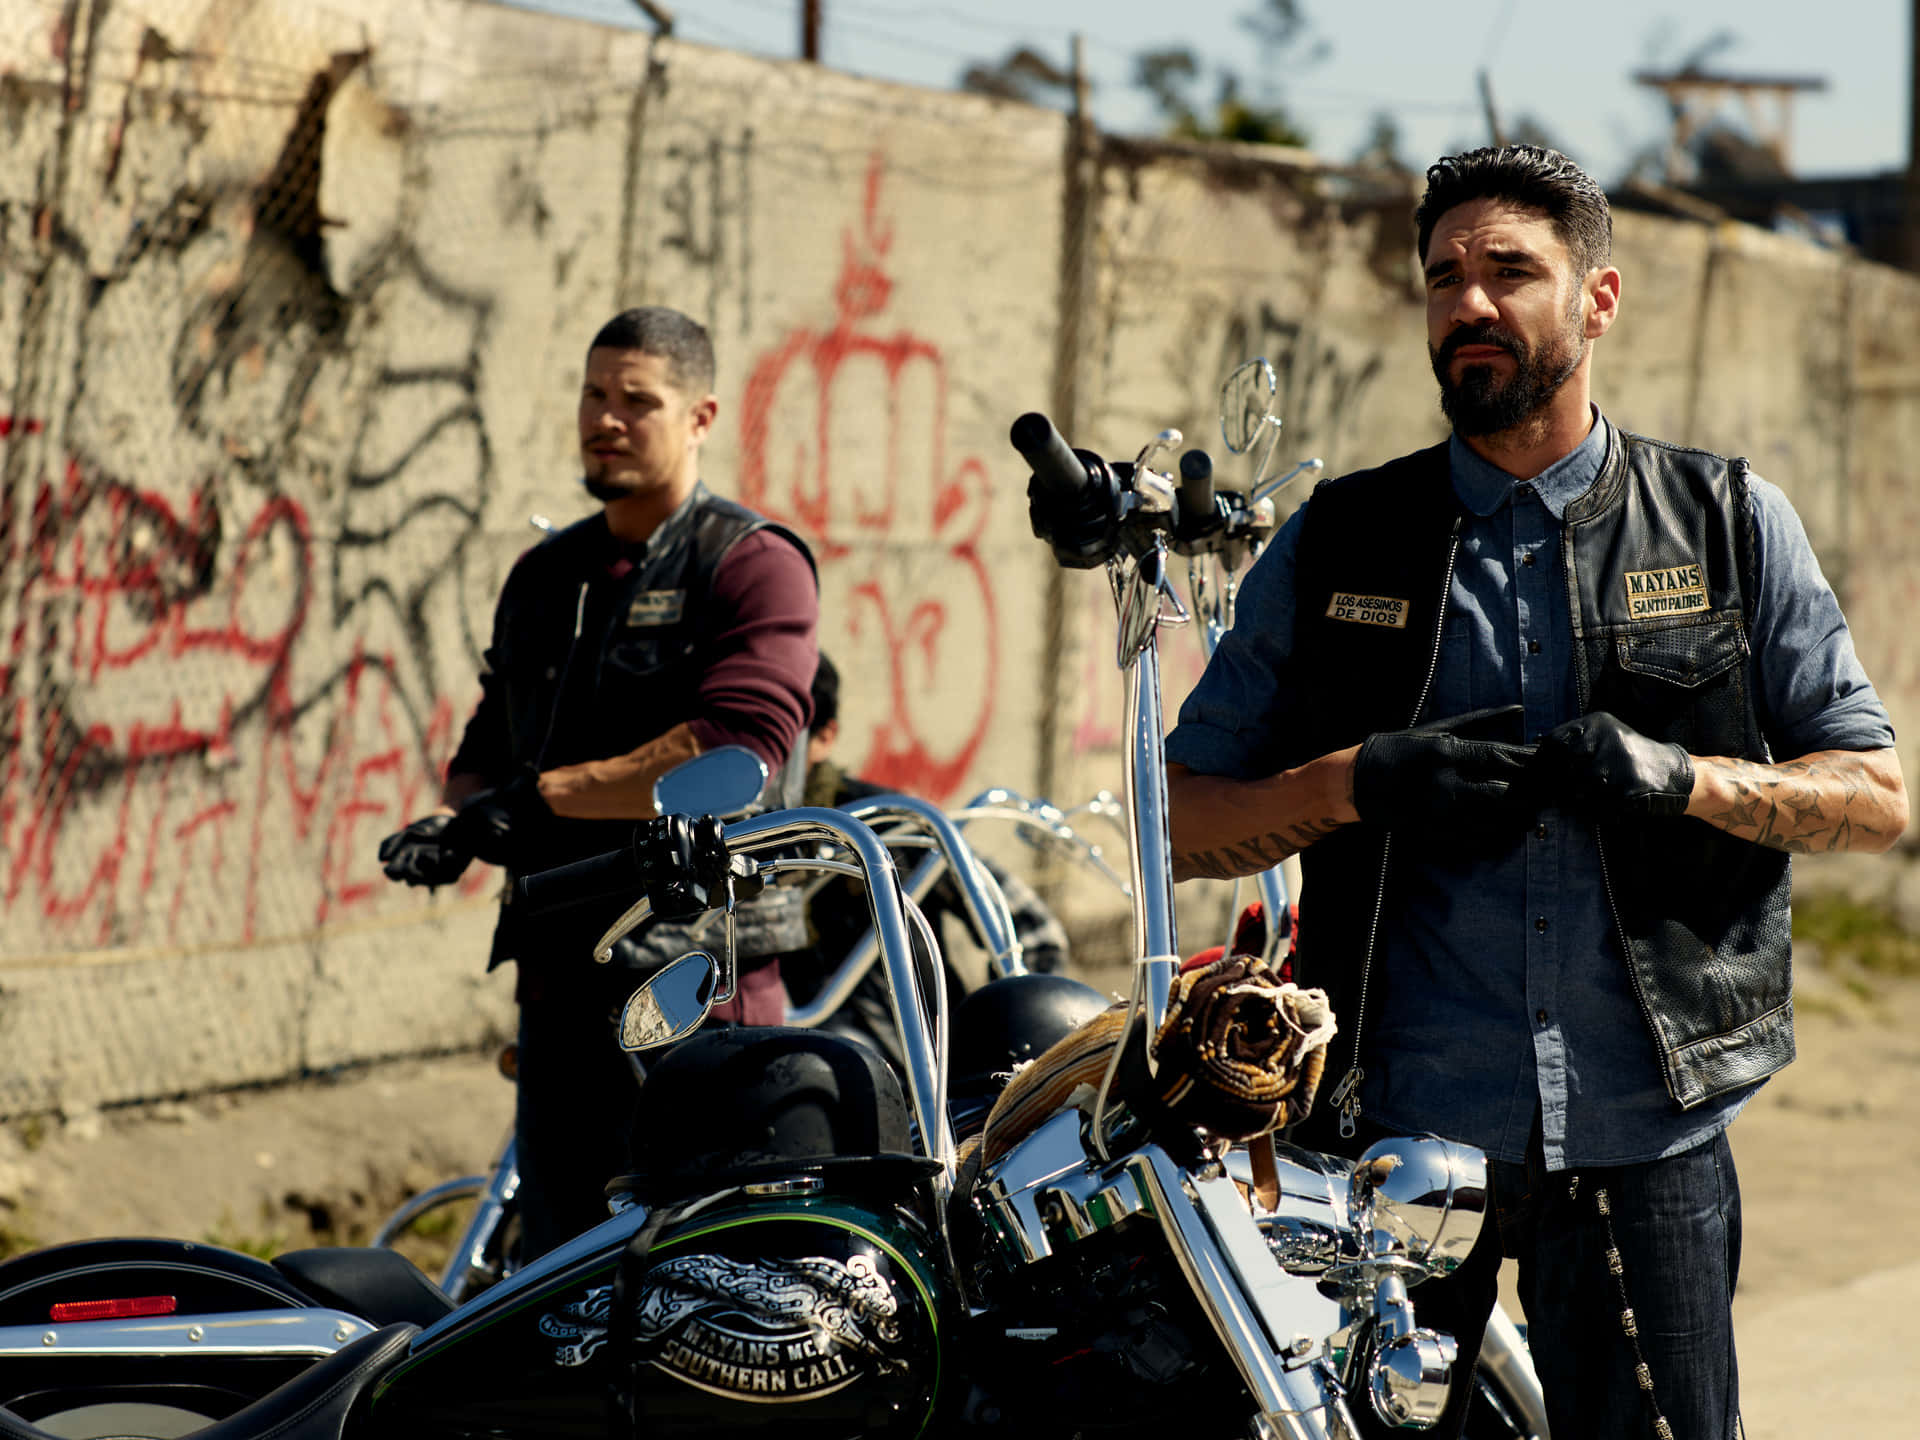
{"x": 839, "y": 914}
{"x": 668, "y": 623}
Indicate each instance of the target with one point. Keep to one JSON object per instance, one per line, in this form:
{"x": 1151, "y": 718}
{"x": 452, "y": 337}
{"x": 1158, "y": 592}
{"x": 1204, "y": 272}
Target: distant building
{"x": 1719, "y": 171}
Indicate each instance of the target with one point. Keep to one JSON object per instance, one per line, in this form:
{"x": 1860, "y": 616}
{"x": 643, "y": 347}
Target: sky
{"x": 1568, "y": 67}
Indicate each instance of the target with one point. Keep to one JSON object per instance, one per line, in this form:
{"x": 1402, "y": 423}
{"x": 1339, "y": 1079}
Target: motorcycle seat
{"x": 381, "y": 1286}
{"x": 733, "y": 1107}
{"x": 314, "y": 1405}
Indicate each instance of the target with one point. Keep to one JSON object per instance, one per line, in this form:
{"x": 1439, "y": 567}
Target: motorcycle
{"x": 806, "y": 1242}
{"x": 1034, "y": 1015}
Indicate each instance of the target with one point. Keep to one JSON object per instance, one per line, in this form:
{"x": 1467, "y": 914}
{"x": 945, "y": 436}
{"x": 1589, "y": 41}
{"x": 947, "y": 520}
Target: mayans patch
{"x": 657, "y": 607}
{"x": 771, "y": 1331}
{"x": 1369, "y": 610}
{"x": 1655, "y": 594}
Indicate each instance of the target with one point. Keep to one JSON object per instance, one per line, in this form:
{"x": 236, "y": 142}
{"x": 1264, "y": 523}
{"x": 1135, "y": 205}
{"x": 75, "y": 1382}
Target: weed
{"x": 1850, "y": 932}
{"x": 16, "y": 1237}
{"x": 229, "y": 1237}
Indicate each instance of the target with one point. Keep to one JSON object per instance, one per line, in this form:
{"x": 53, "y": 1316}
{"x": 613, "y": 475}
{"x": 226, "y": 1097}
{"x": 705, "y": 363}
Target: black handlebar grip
{"x": 1058, "y": 473}
{"x": 1196, "y": 482}
{"x": 614, "y": 873}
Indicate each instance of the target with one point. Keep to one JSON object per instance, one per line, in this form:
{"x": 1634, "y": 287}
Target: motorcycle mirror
{"x": 1246, "y": 405}
{"x": 724, "y": 782}
{"x": 672, "y": 1004}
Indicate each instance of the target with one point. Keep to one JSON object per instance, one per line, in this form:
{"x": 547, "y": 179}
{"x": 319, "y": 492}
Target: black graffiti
{"x": 708, "y": 201}
{"x": 1322, "y": 384}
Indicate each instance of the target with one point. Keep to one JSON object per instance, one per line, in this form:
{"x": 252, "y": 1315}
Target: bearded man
{"x": 1546, "y": 708}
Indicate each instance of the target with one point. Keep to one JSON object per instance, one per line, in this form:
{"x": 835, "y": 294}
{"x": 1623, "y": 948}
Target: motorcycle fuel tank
{"x": 813, "y": 1317}
{"x": 811, "y": 1314}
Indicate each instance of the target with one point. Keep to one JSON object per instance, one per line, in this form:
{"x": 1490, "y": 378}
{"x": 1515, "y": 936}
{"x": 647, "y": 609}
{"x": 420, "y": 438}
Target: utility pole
{"x": 1496, "y": 135}
{"x": 1072, "y": 341}
{"x": 810, "y": 30}
{"x": 661, "y": 16}
{"x": 1911, "y": 219}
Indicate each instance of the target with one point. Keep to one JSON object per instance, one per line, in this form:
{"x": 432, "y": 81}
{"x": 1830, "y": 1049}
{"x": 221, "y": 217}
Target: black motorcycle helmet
{"x": 1009, "y": 1022}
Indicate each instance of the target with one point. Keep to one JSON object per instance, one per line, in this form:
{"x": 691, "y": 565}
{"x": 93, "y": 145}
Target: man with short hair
{"x": 1545, "y": 708}
{"x": 669, "y": 622}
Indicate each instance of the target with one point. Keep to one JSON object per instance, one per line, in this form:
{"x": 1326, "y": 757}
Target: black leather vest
{"x": 1658, "y": 559}
{"x": 589, "y": 668}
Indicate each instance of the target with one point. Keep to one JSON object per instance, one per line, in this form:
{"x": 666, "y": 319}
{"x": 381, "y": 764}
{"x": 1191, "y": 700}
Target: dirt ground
{"x": 1829, "y": 1160}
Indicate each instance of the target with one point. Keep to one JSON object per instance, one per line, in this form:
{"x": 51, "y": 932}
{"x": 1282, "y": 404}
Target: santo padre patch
{"x": 1655, "y": 594}
{"x": 657, "y": 607}
{"x": 1369, "y": 610}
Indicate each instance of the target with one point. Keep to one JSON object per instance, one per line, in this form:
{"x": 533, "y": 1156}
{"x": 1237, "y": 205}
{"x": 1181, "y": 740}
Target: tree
{"x": 1175, "y": 77}
{"x": 1171, "y": 76}
{"x": 1022, "y": 74}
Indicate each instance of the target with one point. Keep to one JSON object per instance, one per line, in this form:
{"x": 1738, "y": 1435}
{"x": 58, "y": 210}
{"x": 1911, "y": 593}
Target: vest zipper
{"x": 560, "y": 690}
{"x": 1346, "y": 1095}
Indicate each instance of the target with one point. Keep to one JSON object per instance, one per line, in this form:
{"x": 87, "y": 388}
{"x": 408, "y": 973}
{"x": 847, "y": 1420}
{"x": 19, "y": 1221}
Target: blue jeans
{"x": 1676, "y": 1225}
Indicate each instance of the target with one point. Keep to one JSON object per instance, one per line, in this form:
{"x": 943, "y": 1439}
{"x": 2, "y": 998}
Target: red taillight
{"x": 131, "y": 1309}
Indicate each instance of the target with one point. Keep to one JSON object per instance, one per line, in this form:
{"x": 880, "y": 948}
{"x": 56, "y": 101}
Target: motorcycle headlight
{"x": 1420, "y": 1199}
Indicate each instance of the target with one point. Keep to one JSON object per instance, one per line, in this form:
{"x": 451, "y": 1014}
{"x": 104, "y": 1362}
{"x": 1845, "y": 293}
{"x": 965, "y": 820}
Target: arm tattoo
{"x": 1801, "y": 806}
{"x": 1251, "y": 856}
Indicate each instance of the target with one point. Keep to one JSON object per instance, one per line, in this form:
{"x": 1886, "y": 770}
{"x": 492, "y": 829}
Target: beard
{"x": 1480, "y": 402}
{"x": 603, "y": 487}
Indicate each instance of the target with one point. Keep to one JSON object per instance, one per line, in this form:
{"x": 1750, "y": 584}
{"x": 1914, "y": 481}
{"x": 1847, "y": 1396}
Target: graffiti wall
{"x": 294, "y": 306}
{"x": 293, "y": 302}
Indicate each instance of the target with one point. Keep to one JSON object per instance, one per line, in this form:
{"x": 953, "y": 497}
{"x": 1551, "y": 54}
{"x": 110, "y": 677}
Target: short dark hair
{"x": 678, "y": 339}
{"x": 826, "y": 693}
{"x": 1529, "y": 175}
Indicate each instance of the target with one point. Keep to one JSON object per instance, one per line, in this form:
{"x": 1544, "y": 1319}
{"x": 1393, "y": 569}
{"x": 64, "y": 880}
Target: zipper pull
{"x": 1347, "y": 1097}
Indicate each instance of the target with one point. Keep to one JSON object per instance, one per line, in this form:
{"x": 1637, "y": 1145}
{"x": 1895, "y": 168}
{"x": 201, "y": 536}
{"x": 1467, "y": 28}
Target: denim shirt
{"x": 1504, "y": 990}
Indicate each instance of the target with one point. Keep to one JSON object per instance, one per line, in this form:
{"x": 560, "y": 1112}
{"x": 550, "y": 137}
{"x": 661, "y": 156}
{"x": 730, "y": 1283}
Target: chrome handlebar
{"x": 920, "y": 1019}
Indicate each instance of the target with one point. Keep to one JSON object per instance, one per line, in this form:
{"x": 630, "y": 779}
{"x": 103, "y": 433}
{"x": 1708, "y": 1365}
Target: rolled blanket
{"x": 1067, "y": 1073}
{"x": 1240, "y": 1054}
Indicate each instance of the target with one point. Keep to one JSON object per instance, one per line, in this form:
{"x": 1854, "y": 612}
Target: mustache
{"x": 1485, "y": 333}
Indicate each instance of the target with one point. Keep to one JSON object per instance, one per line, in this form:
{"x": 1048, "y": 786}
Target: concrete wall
{"x": 292, "y": 305}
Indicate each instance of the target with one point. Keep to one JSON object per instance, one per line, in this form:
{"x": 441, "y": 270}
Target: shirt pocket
{"x": 1459, "y": 680}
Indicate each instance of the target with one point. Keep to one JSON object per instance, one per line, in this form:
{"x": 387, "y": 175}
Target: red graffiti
{"x": 159, "y": 747}
{"x": 1103, "y": 688}
{"x": 809, "y": 407}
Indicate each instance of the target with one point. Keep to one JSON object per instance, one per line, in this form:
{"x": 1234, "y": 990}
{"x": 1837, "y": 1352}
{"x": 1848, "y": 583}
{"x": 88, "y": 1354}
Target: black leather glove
{"x": 1449, "y": 773}
{"x": 1604, "y": 767}
{"x": 501, "y": 824}
{"x": 1083, "y": 529}
{"x": 682, "y": 862}
{"x": 422, "y": 855}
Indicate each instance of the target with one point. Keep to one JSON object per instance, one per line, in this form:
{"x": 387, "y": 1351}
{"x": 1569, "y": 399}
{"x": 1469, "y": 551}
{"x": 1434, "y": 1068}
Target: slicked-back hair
{"x": 1529, "y": 175}
{"x": 678, "y": 339}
